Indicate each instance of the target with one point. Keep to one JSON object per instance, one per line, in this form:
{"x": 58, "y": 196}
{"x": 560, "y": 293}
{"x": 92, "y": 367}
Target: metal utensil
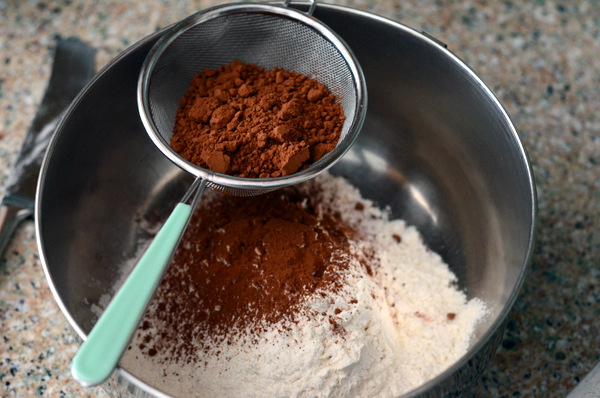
{"x": 589, "y": 386}
{"x": 72, "y": 68}
{"x": 267, "y": 35}
{"x": 437, "y": 149}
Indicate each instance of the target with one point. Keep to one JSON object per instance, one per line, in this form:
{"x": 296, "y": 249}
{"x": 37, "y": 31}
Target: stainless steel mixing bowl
{"x": 436, "y": 147}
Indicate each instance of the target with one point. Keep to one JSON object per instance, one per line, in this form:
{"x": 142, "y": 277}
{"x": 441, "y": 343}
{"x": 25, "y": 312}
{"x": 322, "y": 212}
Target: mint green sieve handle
{"x": 100, "y": 353}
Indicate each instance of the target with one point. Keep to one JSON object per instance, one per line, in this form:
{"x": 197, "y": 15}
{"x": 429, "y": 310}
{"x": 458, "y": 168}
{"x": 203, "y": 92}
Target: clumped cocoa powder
{"x": 246, "y": 263}
{"x": 248, "y": 122}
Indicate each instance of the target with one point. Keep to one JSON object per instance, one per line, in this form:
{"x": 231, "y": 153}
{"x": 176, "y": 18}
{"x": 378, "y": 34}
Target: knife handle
{"x": 10, "y": 217}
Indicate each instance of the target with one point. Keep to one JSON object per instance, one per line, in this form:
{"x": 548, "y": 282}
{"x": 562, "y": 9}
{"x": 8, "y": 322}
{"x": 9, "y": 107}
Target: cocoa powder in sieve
{"x": 248, "y": 122}
{"x": 245, "y": 263}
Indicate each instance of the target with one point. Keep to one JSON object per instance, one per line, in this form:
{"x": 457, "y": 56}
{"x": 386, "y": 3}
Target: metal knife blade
{"x": 73, "y": 66}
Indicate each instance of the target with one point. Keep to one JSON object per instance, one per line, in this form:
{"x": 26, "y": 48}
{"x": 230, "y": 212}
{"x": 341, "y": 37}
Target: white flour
{"x": 395, "y": 330}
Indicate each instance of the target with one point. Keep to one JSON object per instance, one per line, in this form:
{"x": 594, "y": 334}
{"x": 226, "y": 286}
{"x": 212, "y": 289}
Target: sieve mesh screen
{"x": 268, "y": 40}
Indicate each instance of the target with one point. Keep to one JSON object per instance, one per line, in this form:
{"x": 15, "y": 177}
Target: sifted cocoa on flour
{"x": 245, "y": 121}
{"x": 246, "y": 262}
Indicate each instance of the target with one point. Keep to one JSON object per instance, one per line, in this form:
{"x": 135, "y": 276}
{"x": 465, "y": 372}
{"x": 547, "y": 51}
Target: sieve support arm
{"x": 311, "y": 9}
{"x": 100, "y": 353}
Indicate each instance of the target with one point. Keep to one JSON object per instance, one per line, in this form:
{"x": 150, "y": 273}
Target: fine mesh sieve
{"x": 266, "y": 35}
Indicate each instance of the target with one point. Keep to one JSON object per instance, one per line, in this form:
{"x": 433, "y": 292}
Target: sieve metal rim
{"x": 240, "y": 183}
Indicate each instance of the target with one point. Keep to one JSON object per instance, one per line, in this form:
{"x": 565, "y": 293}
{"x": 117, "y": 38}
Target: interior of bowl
{"x": 436, "y": 147}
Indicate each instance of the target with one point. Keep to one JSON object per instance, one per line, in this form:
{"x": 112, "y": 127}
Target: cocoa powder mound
{"x": 245, "y": 263}
{"x": 244, "y": 121}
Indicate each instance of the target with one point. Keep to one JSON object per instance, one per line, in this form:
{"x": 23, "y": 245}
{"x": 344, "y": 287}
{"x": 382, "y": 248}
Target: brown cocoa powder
{"x": 245, "y": 263}
{"x": 248, "y": 122}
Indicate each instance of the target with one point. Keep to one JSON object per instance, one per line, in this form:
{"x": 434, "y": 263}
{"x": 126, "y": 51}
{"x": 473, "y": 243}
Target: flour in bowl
{"x": 309, "y": 291}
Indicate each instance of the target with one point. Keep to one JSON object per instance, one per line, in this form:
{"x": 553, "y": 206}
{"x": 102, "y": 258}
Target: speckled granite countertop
{"x": 543, "y": 61}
